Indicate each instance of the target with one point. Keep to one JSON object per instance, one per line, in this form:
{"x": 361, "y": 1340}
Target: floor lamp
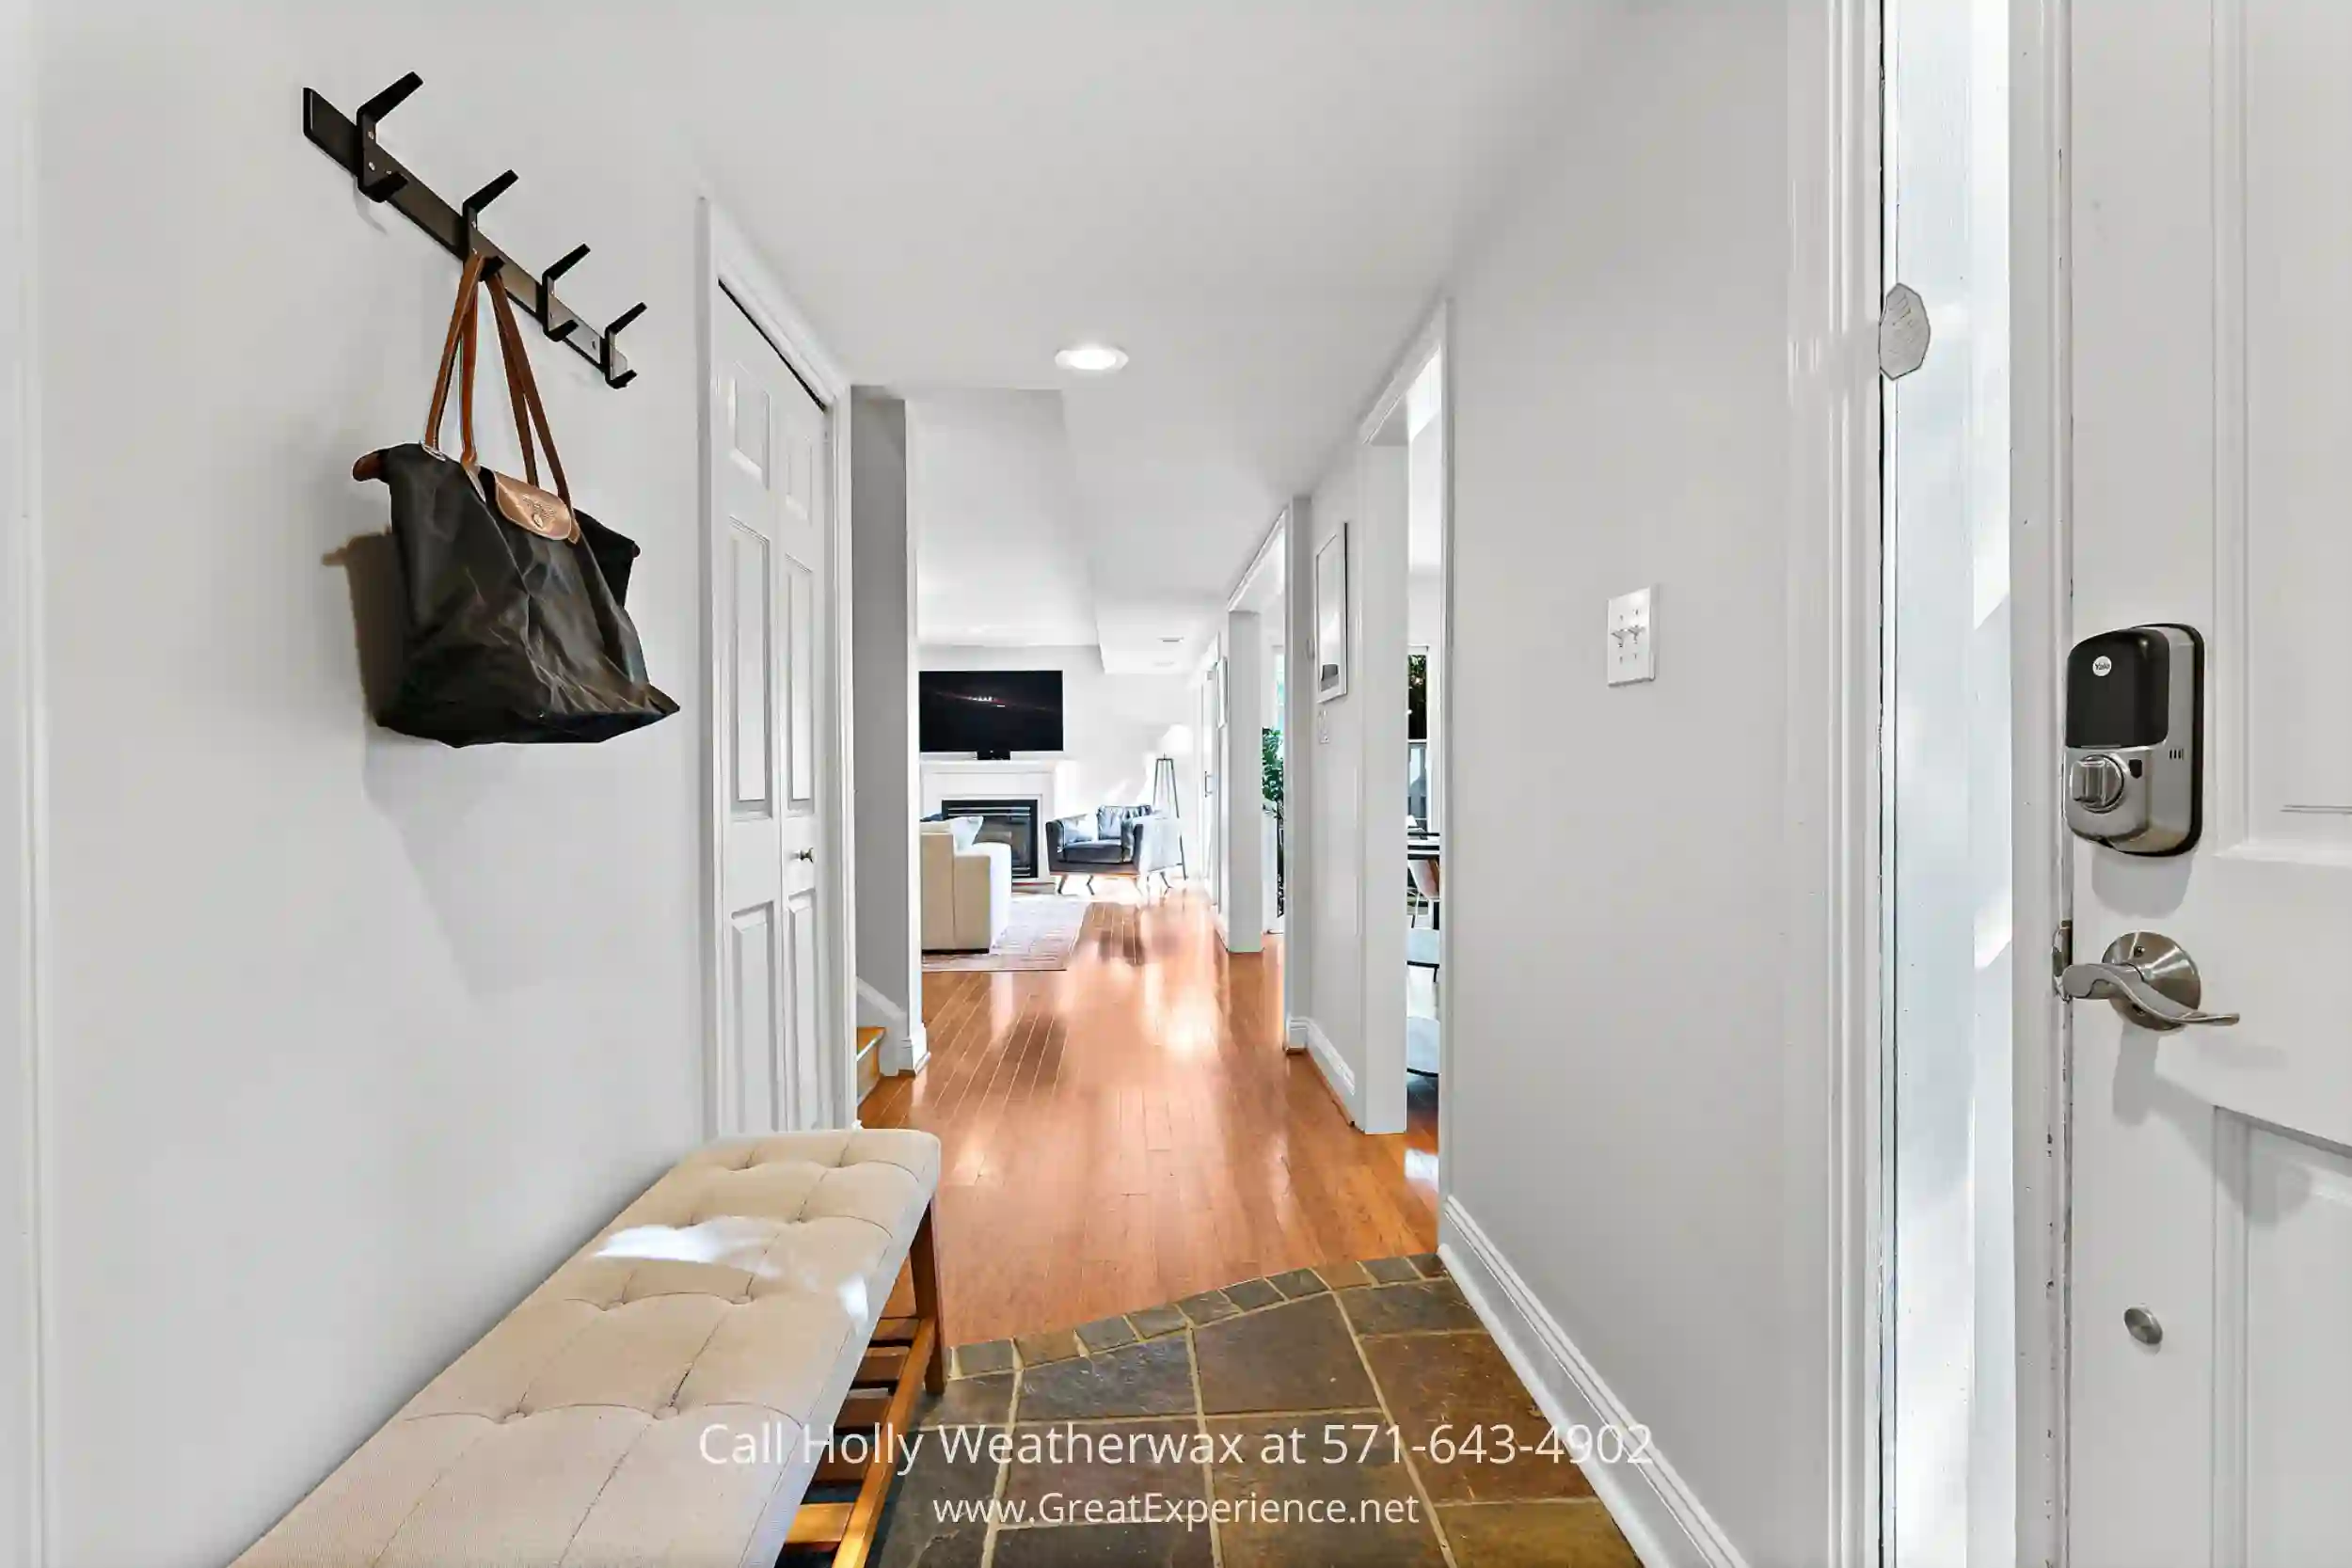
{"x": 1166, "y": 801}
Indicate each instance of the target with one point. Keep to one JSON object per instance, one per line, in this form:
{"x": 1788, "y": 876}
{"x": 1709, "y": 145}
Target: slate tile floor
{"x": 1282, "y": 1365}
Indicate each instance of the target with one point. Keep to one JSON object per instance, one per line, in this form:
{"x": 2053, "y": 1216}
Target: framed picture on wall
{"x": 1331, "y": 617}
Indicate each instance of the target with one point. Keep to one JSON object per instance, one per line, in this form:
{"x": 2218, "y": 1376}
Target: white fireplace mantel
{"x": 1019, "y": 779}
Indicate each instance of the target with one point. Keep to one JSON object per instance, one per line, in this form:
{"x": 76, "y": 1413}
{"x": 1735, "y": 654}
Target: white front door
{"x": 2211, "y": 217}
{"x": 768, "y": 572}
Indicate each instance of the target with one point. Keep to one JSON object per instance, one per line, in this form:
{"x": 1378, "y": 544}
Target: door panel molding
{"x": 751, "y": 970}
{"x": 754, "y": 653}
{"x": 2232, "y": 1157}
{"x": 2270, "y": 126}
{"x": 2229, "y": 649}
{"x": 735, "y": 276}
{"x": 2287, "y": 1281}
{"x": 796, "y": 955}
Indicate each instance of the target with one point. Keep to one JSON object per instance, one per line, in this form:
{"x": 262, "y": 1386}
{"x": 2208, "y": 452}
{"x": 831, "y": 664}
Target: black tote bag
{"x": 514, "y": 629}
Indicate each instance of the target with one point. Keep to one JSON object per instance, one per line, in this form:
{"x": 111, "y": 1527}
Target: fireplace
{"x": 1013, "y": 823}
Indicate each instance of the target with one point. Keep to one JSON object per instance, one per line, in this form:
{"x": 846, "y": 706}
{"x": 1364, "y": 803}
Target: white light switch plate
{"x": 1632, "y": 639}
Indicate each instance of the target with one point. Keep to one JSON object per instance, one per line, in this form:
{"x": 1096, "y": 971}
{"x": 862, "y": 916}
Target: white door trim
{"x": 26, "y": 1363}
{"x": 733, "y": 269}
{"x": 1442, "y": 711}
{"x": 2041, "y": 487}
{"x": 1378, "y": 1101}
{"x": 1432, "y": 337}
{"x": 1836, "y": 659}
{"x": 1297, "y": 528}
{"x": 1270, "y": 546}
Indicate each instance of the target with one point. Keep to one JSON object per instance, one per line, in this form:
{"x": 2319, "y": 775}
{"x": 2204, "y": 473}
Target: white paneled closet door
{"x": 768, "y": 572}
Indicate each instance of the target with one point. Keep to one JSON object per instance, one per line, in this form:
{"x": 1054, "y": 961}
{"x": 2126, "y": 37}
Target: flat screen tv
{"x": 993, "y": 712}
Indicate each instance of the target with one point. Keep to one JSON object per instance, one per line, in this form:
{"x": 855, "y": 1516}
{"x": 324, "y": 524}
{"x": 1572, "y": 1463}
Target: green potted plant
{"x": 1270, "y": 786}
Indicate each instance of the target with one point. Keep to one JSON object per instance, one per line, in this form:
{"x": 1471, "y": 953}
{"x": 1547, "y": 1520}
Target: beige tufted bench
{"x": 655, "y": 1401}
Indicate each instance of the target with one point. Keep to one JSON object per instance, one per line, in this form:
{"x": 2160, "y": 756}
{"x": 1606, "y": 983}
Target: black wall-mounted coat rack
{"x": 382, "y": 177}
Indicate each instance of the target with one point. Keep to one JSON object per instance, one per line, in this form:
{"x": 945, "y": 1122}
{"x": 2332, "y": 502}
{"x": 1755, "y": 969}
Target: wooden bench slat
{"x": 839, "y": 1472}
{"x": 819, "y": 1525}
{"x": 881, "y": 1367}
{"x": 862, "y": 1411}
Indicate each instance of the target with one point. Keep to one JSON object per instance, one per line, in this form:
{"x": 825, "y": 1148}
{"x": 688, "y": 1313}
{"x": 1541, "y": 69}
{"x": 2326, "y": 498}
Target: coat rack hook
{"x": 558, "y": 330}
{"x": 456, "y": 226}
{"x": 471, "y": 212}
{"x": 613, "y": 332}
{"x": 378, "y": 180}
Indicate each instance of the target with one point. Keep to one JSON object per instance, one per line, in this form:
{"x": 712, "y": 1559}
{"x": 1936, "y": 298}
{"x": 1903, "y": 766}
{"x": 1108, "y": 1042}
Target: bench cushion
{"x": 729, "y": 1305}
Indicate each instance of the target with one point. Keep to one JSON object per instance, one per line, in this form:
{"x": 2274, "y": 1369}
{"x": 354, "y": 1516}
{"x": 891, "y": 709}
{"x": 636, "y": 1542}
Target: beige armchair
{"x": 967, "y": 887}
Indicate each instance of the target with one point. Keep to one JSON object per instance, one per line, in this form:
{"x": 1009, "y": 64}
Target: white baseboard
{"x": 1661, "y": 1516}
{"x": 1295, "y": 1034}
{"x": 904, "y": 1046}
{"x": 1335, "y": 1071}
{"x": 905, "y": 1052}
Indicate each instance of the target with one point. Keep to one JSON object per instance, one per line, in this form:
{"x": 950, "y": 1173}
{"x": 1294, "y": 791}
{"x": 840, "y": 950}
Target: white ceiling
{"x": 1257, "y": 201}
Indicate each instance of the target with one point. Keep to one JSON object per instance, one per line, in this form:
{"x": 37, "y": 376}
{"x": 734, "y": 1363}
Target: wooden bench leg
{"x": 925, "y": 1261}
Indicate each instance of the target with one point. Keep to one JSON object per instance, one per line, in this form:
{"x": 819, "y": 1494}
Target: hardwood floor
{"x": 1131, "y": 1131}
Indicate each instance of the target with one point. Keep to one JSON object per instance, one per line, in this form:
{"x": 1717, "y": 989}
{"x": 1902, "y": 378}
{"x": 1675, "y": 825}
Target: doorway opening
{"x": 1249, "y": 677}
{"x": 1397, "y": 634}
{"x": 1425, "y": 611}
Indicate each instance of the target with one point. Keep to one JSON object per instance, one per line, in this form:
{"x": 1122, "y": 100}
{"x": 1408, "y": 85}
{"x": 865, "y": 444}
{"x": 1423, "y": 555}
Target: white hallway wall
{"x": 1638, "y": 1102}
{"x": 1112, "y": 726}
{"x": 1326, "y": 990}
{"x": 888, "y": 795}
{"x": 1354, "y": 787}
{"x": 1244, "y": 896}
{"x": 351, "y": 1036}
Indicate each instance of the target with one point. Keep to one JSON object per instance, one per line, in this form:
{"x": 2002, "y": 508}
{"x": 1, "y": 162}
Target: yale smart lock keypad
{"x": 2135, "y": 718}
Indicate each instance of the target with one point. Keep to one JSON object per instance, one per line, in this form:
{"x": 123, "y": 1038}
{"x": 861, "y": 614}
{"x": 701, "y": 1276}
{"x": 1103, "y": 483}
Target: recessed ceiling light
{"x": 1171, "y": 640}
{"x": 1092, "y": 359}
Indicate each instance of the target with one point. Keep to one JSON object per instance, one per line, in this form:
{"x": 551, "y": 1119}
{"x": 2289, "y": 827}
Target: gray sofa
{"x": 1115, "y": 841}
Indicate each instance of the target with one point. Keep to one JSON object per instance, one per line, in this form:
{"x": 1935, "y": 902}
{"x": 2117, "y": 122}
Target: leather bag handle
{"x": 522, "y": 385}
{"x": 462, "y": 332}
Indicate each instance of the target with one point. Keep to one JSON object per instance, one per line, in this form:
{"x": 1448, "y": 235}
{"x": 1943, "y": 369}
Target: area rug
{"x": 1357, "y": 1414}
{"x": 1040, "y": 933}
